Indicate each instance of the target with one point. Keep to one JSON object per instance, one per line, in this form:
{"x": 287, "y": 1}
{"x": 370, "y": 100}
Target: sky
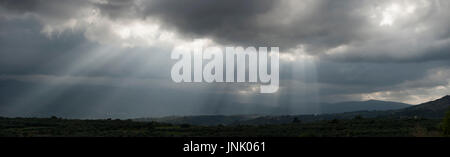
{"x": 111, "y": 58}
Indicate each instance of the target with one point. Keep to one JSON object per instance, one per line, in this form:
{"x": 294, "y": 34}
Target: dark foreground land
{"x": 356, "y": 127}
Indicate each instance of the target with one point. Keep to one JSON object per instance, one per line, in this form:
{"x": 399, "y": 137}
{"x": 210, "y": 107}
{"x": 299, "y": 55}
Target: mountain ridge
{"x": 368, "y": 105}
{"x": 432, "y": 109}
{"x": 370, "y": 108}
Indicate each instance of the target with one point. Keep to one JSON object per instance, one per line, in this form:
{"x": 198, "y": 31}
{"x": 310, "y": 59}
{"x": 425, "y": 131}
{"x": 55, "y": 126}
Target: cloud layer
{"x": 396, "y": 50}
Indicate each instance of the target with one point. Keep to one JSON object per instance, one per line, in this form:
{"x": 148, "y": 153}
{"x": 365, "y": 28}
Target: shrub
{"x": 446, "y": 124}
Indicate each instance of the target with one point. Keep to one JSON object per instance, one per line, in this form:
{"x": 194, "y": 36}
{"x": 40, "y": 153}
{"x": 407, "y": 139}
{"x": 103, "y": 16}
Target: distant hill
{"x": 370, "y": 109}
{"x": 327, "y": 111}
{"x": 202, "y": 120}
{"x": 371, "y": 105}
{"x": 432, "y": 109}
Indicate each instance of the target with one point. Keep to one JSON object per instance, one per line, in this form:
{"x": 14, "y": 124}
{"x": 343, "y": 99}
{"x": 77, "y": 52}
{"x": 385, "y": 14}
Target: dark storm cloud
{"x": 227, "y": 21}
{"x": 45, "y": 8}
{"x": 319, "y": 25}
{"x": 120, "y": 9}
{"x": 284, "y": 23}
{"x": 25, "y": 5}
{"x": 78, "y": 44}
{"x": 25, "y": 50}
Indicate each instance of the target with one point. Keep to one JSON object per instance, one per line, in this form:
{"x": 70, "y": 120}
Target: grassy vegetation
{"x": 445, "y": 125}
{"x": 357, "y": 127}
